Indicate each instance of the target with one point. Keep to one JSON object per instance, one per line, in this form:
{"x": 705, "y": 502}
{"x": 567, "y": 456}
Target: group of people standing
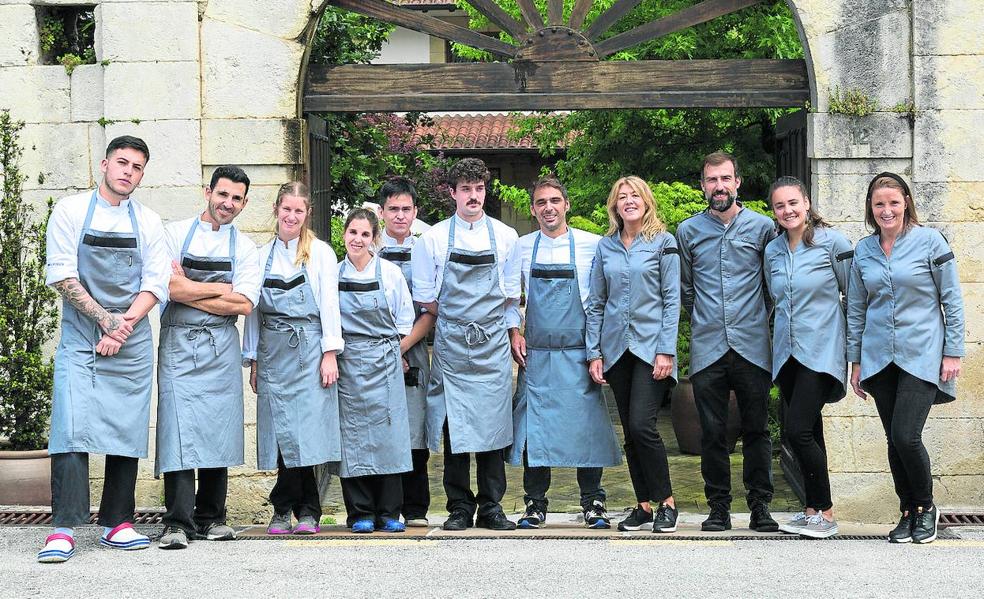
{"x": 337, "y": 351}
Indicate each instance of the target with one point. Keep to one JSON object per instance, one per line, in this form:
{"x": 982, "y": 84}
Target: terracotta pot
{"x": 25, "y": 477}
{"x": 686, "y": 422}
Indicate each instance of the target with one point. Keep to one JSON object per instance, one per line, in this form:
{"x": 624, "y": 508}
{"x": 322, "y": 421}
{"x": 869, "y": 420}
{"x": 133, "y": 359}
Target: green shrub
{"x": 28, "y": 312}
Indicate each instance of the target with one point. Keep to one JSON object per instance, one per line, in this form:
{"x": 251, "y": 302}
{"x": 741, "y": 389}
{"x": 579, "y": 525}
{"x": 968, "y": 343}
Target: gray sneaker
{"x": 795, "y": 524}
{"x": 818, "y": 527}
{"x": 279, "y": 525}
{"x": 218, "y": 532}
{"x": 173, "y": 538}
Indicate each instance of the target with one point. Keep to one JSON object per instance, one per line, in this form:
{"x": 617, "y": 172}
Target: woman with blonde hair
{"x": 905, "y": 338}
{"x": 632, "y": 317}
{"x": 289, "y": 344}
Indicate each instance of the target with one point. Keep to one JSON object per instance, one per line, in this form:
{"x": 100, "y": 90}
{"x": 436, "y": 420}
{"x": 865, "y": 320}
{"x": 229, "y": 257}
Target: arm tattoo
{"x": 74, "y": 293}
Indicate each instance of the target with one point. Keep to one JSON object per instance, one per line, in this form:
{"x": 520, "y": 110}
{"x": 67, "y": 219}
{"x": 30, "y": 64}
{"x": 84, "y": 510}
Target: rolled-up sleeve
{"x": 246, "y": 280}
{"x": 251, "y": 335}
{"x": 944, "y": 269}
{"x": 857, "y": 308}
{"x": 595, "y": 311}
{"x": 61, "y": 246}
{"x": 156, "y": 259}
{"x": 331, "y": 319}
{"x": 422, "y": 266}
{"x": 401, "y": 302}
{"x": 669, "y": 267}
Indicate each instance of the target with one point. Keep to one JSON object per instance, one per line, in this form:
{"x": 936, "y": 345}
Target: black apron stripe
{"x": 845, "y": 255}
{"x": 473, "y": 260}
{"x": 541, "y": 273}
{"x": 282, "y": 284}
{"x": 109, "y": 242}
{"x": 670, "y": 251}
{"x": 396, "y": 256}
{"x": 943, "y": 259}
{"x": 217, "y": 266}
{"x": 353, "y": 286}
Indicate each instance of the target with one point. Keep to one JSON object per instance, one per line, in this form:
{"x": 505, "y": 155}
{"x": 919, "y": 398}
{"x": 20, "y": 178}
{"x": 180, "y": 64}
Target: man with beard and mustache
{"x": 723, "y": 291}
{"x": 460, "y": 271}
{"x": 215, "y": 279}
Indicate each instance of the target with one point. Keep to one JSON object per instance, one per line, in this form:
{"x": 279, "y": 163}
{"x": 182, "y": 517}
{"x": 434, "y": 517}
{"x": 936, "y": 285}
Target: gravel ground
{"x": 385, "y": 566}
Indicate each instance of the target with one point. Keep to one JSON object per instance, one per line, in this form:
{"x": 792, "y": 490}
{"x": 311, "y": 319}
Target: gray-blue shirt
{"x": 634, "y": 303}
{"x": 723, "y": 287}
{"x": 809, "y": 289}
{"x": 893, "y": 308}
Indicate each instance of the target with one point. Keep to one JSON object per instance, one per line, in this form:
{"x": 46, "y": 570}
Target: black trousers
{"x": 296, "y": 491}
{"x": 639, "y": 399}
{"x": 804, "y": 392}
{"x": 712, "y": 390}
{"x": 70, "y": 490}
{"x": 536, "y": 483}
{"x": 903, "y": 402}
{"x": 374, "y": 497}
{"x": 416, "y": 486}
{"x": 490, "y": 476}
{"x": 190, "y": 510}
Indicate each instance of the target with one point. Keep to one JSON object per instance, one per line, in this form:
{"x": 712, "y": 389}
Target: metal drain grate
{"x": 948, "y": 519}
{"x": 41, "y": 517}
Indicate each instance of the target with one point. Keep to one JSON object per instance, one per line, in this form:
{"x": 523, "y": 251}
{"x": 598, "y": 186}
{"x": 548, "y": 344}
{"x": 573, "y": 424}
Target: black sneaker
{"x": 924, "y": 525}
{"x": 534, "y": 517}
{"x": 636, "y": 519}
{"x": 596, "y": 516}
{"x": 665, "y": 519}
{"x": 761, "y": 520}
{"x": 496, "y": 521}
{"x": 719, "y": 519}
{"x": 902, "y": 533}
{"x": 458, "y": 520}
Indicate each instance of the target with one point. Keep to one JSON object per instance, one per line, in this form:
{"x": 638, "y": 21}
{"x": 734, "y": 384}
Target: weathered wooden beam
{"x": 688, "y": 17}
{"x": 555, "y": 12}
{"x": 608, "y": 18}
{"x": 557, "y": 86}
{"x": 580, "y": 10}
{"x": 384, "y": 11}
{"x": 499, "y": 17}
{"x": 530, "y": 13}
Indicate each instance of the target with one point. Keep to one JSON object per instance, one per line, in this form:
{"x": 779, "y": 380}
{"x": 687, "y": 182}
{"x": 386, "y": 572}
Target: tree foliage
{"x": 666, "y": 145}
{"x": 28, "y": 312}
{"x": 367, "y": 148}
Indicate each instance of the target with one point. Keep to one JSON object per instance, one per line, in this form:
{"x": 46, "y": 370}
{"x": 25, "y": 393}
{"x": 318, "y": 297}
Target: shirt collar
{"x": 291, "y": 245}
{"x": 460, "y": 222}
{"x": 105, "y": 203}
{"x": 391, "y": 242}
{"x": 370, "y": 264}
{"x": 204, "y": 226}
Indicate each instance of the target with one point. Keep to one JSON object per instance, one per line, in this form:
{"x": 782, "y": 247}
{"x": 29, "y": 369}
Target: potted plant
{"x": 28, "y": 318}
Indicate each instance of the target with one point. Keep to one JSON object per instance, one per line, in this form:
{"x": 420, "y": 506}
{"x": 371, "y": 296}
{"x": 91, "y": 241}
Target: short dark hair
{"x": 397, "y": 186}
{"x": 232, "y": 173}
{"x": 467, "y": 170}
{"x": 128, "y": 142}
{"x": 548, "y": 181}
{"x": 717, "y": 159}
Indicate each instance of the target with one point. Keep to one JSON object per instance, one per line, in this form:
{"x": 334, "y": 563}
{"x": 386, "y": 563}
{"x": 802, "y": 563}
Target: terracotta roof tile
{"x": 474, "y": 132}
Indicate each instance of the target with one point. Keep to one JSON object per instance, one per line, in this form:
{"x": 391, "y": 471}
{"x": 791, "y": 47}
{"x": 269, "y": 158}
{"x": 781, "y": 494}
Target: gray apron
{"x": 294, "y": 413}
{"x": 471, "y": 376}
{"x": 417, "y": 356}
{"x": 101, "y": 404}
{"x": 371, "y": 400}
{"x": 559, "y": 413}
{"x": 199, "y": 376}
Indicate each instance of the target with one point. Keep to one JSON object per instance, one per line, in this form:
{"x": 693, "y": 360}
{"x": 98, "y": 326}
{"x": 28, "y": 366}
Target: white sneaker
{"x": 818, "y": 527}
{"x": 795, "y": 524}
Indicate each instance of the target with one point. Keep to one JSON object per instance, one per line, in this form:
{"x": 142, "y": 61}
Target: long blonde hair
{"x": 298, "y": 190}
{"x": 651, "y": 224}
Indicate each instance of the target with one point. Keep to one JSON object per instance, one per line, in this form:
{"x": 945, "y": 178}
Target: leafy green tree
{"x": 28, "y": 313}
{"x": 665, "y": 145}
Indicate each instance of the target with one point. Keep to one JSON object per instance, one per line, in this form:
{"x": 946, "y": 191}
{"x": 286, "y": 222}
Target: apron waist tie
{"x": 193, "y": 334}
{"x": 476, "y": 334}
{"x": 296, "y": 339}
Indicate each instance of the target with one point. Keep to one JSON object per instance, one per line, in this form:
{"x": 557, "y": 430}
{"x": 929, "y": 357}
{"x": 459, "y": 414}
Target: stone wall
{"x": 216, "y": 81}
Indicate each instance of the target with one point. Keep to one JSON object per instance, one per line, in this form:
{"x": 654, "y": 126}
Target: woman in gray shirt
{"x": 905, "y": 350}
{"x": 632, "y": 317}
{"x": 807, "y": 269}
